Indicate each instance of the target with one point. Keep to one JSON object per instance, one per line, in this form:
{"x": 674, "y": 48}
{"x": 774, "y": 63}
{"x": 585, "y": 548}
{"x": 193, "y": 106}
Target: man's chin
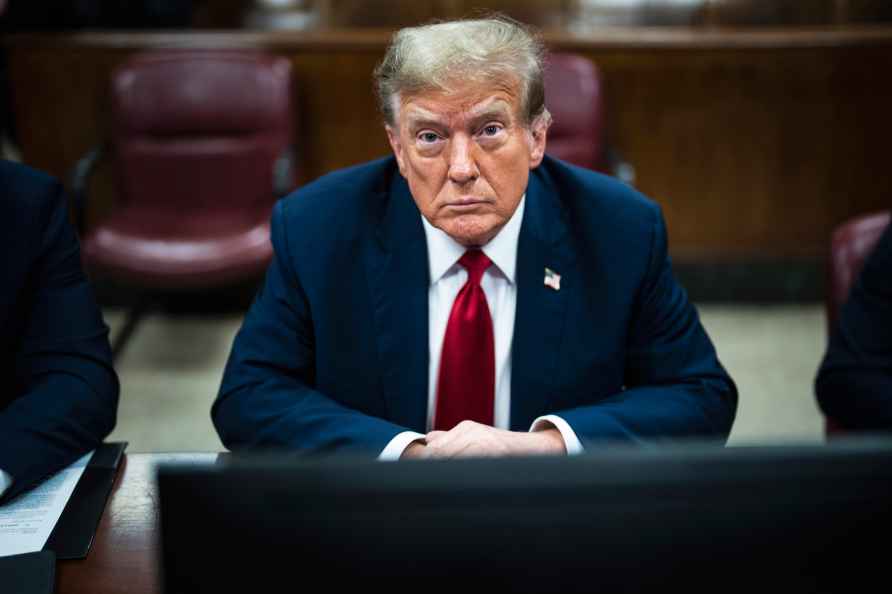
{"x": 471, "y": 231}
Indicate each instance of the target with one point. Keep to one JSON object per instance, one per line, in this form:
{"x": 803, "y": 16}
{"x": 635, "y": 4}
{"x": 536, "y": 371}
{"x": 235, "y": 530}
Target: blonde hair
{"x": 432, "y": 57}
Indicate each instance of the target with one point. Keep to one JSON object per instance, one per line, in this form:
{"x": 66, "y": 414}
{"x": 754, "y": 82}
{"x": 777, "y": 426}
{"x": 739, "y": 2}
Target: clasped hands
{"x": 470, "y": 439}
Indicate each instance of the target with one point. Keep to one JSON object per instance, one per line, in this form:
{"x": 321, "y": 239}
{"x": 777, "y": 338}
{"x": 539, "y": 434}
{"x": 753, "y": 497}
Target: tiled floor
{"x": 773, "y": 354}
{"x": 171, "y": 370}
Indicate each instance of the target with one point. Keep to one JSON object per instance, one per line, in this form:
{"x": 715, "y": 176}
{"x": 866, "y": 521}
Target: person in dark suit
{"x": 468, "y": 296}
{"x": 60, "y": 394}
{"x": 854, "y": 382}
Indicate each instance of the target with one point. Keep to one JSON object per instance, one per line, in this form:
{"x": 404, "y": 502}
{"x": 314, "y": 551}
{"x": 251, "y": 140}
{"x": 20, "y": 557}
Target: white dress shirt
{"x": 5, "y": 481}
{"x": 500, "y": 287}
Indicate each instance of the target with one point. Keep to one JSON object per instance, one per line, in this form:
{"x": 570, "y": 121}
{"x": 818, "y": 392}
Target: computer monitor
{"x": 691, "y": 518}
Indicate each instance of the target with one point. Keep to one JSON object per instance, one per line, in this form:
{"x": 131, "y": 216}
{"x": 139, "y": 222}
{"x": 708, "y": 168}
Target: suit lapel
{"x": 541, "y": 310}
{"x": 398, "y": 281}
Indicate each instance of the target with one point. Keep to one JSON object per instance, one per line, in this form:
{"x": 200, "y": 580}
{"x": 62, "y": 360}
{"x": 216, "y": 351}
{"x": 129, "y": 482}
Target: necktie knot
{"x": 476, "y": 263}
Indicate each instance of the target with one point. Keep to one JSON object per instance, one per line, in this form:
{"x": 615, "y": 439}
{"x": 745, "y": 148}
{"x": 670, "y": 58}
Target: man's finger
{"x": 442, "y": 442}
{"x": 434, "y": 436}
{"x": 472, "y": 443}
{"x": 459, "y": 432}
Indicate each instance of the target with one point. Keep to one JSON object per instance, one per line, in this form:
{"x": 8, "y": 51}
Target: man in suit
{"x": 468, "y": 296}
{"x": 854, "y": 382}
{"x": 60, "y": 393}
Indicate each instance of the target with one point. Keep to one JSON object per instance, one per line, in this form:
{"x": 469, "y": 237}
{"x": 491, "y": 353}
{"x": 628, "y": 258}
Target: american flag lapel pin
{"x": 552, "y": 279}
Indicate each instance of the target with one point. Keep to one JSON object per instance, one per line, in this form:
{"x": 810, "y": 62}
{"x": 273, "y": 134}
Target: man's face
{"x": 466, "y": 155}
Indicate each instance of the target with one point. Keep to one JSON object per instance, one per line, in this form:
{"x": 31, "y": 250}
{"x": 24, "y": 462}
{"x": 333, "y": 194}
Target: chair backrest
{"x": 194, "y": 130}
{"x": 573, "y": 95}
{"x": 850, "y": 245}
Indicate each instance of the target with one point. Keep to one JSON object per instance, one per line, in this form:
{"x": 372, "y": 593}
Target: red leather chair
{"x": 850, "y": 245}
{"x": 574, "y": 96}
{"x": 200, "y": 148}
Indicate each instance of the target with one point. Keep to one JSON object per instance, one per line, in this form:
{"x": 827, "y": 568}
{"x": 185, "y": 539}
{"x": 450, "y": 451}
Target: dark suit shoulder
{"x": 29, "y": 201}
{"x": 339, "y": 198}
{"x": 854, "y": 382}
{"x": 876, "y": 277}
{"x": 19, "y": 178}
{"x": 29, "y": 197}
{"x": 589, "y": 190}
{"x": 325, "y": 223}
{"x": 600, "y": 209}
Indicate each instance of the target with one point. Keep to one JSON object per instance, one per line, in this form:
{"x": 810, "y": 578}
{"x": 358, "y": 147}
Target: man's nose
{"x": 462, "y": 165}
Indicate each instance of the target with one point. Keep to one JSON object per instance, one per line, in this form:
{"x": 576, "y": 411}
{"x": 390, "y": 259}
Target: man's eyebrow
{"x": 424, "y": 121}
{"x": 496, "y": 110}
{"x": 490, "y": 113}
{"x": 421, "y": 117}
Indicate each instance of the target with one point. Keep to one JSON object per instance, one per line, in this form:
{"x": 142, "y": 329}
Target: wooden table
{"x": 125, "y": 552}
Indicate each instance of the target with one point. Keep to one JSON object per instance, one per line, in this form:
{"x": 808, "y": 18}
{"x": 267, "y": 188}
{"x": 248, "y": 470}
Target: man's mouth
{"x": 468, "y": 203}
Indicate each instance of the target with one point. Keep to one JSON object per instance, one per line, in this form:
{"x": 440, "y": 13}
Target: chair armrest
{"x": 283, "y": 173}
{"x": 78, "y": 180}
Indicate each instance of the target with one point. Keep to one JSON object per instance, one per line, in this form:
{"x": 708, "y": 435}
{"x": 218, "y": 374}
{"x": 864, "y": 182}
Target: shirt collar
{"x": 443, "y": 251}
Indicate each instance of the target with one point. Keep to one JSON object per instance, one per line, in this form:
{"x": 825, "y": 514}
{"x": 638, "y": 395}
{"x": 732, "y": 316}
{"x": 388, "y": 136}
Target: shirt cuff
{"x": 571, "y": 442}
{"x": 398, "y": 445}
{"x": 5, "y": 481}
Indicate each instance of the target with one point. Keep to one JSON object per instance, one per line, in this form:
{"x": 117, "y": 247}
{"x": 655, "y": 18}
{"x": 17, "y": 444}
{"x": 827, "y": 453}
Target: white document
{"x": 27, "y": 521}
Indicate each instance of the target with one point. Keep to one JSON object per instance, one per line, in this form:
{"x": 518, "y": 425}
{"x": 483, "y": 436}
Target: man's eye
{"x": 428, "y": 137}
{"x": 491, "y": 130}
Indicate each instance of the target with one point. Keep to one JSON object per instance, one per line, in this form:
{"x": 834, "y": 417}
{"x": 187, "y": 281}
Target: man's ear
{"x": 393, "y": 137}
{"x": 538, "y": 136}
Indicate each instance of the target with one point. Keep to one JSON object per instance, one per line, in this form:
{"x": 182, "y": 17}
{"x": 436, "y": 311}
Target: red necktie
{"x": 466, "y": 387}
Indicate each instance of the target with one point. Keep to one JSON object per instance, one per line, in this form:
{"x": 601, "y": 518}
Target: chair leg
{"x": 134, "y": 316}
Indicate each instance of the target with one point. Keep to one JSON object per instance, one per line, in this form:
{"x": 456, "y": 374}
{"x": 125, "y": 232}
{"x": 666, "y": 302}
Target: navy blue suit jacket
{"x": 60, "y": 394}
{"x": 854, "y": 382}
{"x": 333, "y": 354}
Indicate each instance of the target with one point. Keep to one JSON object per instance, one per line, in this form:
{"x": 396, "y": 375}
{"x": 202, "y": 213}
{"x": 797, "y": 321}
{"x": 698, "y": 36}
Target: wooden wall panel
{"x": 753, "y": 153}
{"x": 756, "y": 145}
{"x": 341, "y": 125}
{"x": 546, "y": 13}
